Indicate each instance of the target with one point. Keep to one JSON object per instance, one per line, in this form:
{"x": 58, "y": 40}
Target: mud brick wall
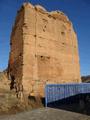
{"x": 44, "y": 49}
{"x": 15, "y": 67}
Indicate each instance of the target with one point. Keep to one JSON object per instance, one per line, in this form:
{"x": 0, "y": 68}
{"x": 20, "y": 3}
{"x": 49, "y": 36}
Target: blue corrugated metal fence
{"x": 55, "y": 92}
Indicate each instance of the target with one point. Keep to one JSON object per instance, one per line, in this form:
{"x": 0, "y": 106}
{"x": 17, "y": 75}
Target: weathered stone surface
{"x": 44, "y": 50}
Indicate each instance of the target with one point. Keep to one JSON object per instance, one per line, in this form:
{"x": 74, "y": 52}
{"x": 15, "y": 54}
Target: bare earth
{"x": 46, "y": 114}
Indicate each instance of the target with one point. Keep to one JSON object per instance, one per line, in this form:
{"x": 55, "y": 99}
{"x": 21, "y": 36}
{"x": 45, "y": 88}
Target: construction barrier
{"x": 55, "y": 92}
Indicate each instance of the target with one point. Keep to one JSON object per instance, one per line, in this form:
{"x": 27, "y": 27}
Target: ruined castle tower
{"x": 44, "y": 50}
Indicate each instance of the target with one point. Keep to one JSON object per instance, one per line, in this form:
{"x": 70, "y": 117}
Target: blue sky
{"x": 78, "y": 12}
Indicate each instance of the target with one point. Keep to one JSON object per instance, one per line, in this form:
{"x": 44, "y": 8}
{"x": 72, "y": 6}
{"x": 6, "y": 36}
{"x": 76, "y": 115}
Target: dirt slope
{"x": 8, "y": 101}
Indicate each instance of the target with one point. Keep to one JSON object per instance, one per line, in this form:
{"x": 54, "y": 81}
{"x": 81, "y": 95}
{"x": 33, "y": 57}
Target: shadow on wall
{"x": 79, "y": 103}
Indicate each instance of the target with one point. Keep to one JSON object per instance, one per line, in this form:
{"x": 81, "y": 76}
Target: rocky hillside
{"x": 8, "y": 100}
{"x": 86, "y": 79}
{"x": 4, "y": 82}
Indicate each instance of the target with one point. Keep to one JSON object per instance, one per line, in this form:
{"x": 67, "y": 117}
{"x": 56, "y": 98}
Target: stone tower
{"x": 44, "y": 50}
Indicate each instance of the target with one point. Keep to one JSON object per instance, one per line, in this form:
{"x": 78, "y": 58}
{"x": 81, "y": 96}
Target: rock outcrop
{"x": 86, "y": 79}
{"x": 44, "y": 50}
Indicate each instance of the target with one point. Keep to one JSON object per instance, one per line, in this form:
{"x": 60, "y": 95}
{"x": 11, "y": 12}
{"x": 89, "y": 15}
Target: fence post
{"x": 46, "y": 96}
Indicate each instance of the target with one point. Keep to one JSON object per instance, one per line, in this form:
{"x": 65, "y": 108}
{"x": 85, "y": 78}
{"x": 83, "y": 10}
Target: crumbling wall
{"x": 15, "y": 67}
{"x": 48, "y": 47}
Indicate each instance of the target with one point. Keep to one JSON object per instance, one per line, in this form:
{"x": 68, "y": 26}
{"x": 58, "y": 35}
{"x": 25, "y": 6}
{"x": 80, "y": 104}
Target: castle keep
{"x": 44, "y": 50}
